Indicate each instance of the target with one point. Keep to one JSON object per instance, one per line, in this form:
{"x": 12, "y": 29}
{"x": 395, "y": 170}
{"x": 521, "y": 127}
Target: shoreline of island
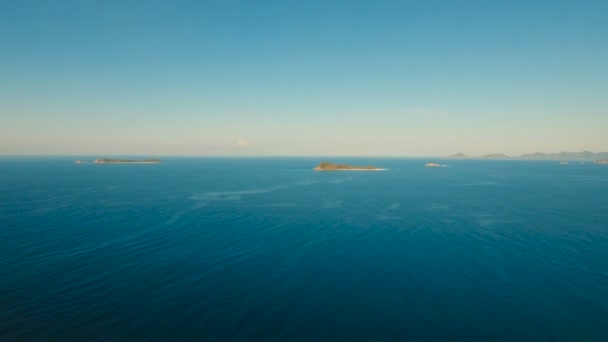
{"x": 136, "y": 162}
{"x": 378, "y": 169}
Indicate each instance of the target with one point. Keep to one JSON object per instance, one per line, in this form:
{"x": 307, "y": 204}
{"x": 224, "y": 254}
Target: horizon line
{"x": 97, "y": 155}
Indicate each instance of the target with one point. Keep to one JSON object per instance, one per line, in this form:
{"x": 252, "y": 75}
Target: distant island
{"x": 433, "y": 165}
{"x": 602, "y": 161}
{"x": 327, "y": 166}
{"x": 458, "y": 155}
{"x": 125, "y": 161}
{"x": 563, "y": 156}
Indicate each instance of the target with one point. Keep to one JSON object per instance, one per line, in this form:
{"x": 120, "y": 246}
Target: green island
{"x": 327, "y": 166}
{"x": 125, "y": 161}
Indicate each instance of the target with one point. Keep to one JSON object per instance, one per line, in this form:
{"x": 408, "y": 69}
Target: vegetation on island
{"x": 327, "y": 166}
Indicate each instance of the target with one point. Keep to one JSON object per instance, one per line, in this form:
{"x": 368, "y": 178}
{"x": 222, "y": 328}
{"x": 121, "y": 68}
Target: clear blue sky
{"x": 402, "y": 78}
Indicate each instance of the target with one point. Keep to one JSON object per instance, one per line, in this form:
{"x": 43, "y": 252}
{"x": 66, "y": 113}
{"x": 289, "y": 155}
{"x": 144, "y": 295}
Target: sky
{"x": 299, "y": 78}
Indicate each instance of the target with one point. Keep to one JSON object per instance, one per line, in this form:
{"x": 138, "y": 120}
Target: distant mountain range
{"x": 583, "y": 156}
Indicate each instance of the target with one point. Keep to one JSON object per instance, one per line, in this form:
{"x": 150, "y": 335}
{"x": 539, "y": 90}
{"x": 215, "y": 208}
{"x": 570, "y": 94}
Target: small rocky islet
{"x": 125, "y": 161}
{"x": 119, "y": 161}
{"x": 327, "y": 166}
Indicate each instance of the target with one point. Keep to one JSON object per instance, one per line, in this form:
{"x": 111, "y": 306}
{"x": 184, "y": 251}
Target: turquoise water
{"x": 267, "y": 249}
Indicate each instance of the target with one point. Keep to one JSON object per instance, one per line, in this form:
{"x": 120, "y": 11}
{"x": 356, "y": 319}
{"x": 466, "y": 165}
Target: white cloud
{"x": 242, "y": 142}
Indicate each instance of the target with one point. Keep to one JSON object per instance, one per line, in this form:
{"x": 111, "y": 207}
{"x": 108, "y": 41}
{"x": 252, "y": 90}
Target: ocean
{"x": 265, "y": 249}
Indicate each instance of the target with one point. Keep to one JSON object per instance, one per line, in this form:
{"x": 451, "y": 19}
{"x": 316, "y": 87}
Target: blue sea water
{"x": 266, "y": 249}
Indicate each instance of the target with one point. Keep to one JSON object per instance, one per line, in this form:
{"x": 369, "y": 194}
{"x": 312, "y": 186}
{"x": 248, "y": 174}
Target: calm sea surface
{"x": 266, "y": 249}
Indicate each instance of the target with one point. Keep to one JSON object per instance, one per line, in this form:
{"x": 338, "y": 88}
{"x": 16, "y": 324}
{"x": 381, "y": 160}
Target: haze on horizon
{"x": 302, "y": 77}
